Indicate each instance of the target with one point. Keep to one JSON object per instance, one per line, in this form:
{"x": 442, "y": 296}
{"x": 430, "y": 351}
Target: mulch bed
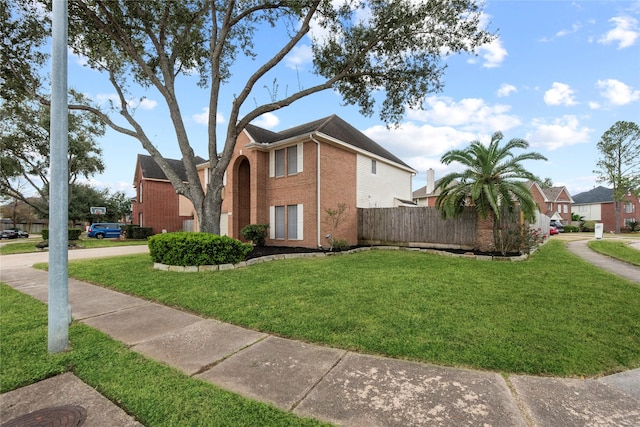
{"x": 260, "y": 251}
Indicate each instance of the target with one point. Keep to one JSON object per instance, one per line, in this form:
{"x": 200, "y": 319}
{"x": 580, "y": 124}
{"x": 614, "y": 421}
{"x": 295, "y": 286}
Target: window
{"x": 288, "y": 159}
{"x": 292, "y": 160}
{"x": 279, "y": 162}
{"x": 565, "y": 208}
{"x": 286, "y": 222}
{"x": 374, "y": 167}
{"x": 629, "y": 207}
{"x": 140, "y": 192}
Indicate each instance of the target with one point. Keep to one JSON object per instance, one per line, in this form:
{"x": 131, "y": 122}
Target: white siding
{"x": 380, "y": 190}
{"x": 590, "y": 212}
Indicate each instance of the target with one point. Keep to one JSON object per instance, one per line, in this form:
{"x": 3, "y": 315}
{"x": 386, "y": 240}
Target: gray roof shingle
{"x": 599, "y": 194}
{"x": 151, "y": 170}
{"x": 332, "y": 126}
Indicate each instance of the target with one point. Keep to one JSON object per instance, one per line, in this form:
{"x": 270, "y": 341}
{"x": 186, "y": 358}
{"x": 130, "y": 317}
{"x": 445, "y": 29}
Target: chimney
{"x": 430, "y": 180}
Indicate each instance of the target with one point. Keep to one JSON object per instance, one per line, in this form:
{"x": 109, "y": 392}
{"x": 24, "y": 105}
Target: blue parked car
{"x": 100, "y": 230}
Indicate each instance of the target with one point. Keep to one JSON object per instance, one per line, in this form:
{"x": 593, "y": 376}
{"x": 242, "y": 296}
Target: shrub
{"x": 589, "y": 226}
{"x": 257, "y": 233}
{"x": 571, "y": 229}
{"x": 132, "y": 231}
{"x": 73, "y": 234}
{"x": 341, "y": 245}
{"x": 191, "y": 248}
{"x": 518, "y": 239}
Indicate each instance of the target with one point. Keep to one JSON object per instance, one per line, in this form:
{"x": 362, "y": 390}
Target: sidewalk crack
{"x": 314, "y": 385}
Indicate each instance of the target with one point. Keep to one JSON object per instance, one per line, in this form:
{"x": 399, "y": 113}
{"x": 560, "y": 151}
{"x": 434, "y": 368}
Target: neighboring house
{"x": 554, "y": 202}
{"x": 426, "y": 196}
{"x": 597, "y": 205}
{"x": 289, "y": 180}
{"x": 156, "y": 204}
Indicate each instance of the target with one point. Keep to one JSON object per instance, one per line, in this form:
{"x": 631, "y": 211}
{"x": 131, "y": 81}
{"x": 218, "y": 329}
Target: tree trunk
{"x": 616, "y": 216}
{"x": 484, "y": 234}
{"x": 210, "y": 211}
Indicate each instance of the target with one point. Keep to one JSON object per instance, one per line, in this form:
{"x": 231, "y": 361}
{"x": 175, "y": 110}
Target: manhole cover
{"x": 58, "y": 416}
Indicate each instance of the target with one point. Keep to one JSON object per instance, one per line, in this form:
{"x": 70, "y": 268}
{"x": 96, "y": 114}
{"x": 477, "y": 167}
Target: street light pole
{"x": 59, "y": 310}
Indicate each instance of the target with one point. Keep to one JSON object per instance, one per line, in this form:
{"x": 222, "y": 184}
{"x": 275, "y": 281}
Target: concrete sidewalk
{"x": 329, "y": 384}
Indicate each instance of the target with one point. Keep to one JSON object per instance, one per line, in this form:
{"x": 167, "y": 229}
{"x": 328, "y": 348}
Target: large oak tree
{"x": 380, "y": 55}
{"x": 619, "y": 165}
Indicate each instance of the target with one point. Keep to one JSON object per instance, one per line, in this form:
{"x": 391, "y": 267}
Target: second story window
{"x": 374, "y": 167}
{"x": 286, "y": 161}
{"x": 629, "y": 207}
{"x": 292, "y": 160}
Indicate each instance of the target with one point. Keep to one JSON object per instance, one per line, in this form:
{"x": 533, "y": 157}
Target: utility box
{"x": 599, "y": 230}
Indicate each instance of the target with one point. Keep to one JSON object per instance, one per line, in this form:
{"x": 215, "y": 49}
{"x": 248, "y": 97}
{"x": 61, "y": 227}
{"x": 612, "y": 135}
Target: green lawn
{"x": 87, "y": 242}
{"x": 552, "y": 315}
{"x": 618, "y": 249}
{"x": 154, "y": 393}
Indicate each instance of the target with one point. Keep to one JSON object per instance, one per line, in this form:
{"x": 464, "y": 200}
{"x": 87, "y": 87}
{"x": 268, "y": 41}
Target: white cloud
{"x": 422, "y": 146}
{"x": 493, "y": 54}
{"x": 470, "y": 114}
{"x": 299, "y": 55}
{"x": 574, "y": 29}
{"x": 506, "y": 90}
{"x": 559, "y": 94}
{"x": 134, "y": 103}
{"x": 203, "y": 118}
{"x": 617, "y": 92}
{"x": 267, "y": 121}
{"x": 625, "y": 32}
{"x": 144, "y": 103}
{"x": 594, "y": 105}
{"x": 560, "y": 132}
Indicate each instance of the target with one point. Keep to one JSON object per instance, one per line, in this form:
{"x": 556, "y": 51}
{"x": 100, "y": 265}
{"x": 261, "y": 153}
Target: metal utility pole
{"x": 59, "y": 310}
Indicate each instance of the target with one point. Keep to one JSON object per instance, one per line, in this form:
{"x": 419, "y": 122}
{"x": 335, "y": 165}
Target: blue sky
{"x": 559, "y": 75}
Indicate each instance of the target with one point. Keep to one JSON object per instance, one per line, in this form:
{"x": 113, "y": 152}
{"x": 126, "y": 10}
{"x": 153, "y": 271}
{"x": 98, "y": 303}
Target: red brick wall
{"x": 539, "y": 198}
{"x": 338, "y": 182}
{"x": 159, "y": 207}
{"x": 608, "y": 214}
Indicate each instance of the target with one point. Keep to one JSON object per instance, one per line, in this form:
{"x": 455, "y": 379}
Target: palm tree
{"x": 494, "y": 179}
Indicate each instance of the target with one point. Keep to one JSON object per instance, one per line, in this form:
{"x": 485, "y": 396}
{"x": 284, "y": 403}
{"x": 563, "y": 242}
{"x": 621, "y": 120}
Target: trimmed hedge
{"x": 73, "y": 234}
{"x": 196, "y": 248}
{"x": 257, "y": 233}
{"x": 132, "y": 231}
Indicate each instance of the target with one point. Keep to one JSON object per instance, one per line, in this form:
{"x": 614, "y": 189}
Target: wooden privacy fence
{"x": 416, "y": 227}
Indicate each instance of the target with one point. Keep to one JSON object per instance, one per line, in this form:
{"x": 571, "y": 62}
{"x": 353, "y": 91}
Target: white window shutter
{"x": 300, "y": 158}
{"x": 272, "y": 222}
{"x": 272, "y": 164}
{"x": 300, "y": 223}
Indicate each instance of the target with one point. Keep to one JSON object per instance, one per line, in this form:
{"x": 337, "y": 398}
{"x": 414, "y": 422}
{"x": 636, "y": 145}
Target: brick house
{"x": 426, "y": 196}
{"x": 289, "y": 179}
{"x": 156, "y": 204}
{"x": 554, "y": 202}
{"x": 598, "y": 205}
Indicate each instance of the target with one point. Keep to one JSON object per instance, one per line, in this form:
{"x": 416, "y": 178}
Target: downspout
{"x": 317, "y": 186}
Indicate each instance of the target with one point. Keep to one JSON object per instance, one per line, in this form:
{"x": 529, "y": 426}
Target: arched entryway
{"x": 241, "y": 216}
